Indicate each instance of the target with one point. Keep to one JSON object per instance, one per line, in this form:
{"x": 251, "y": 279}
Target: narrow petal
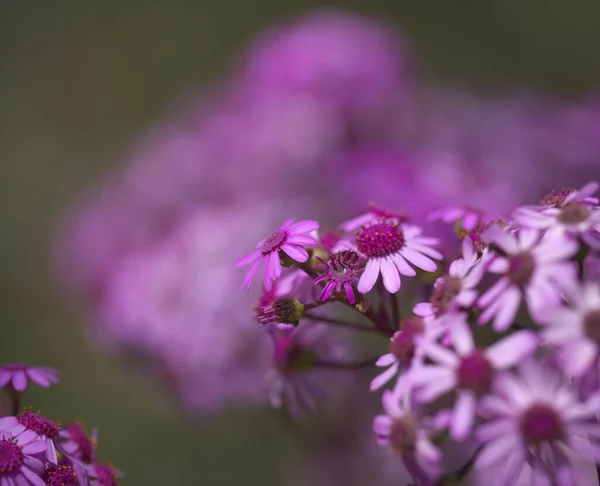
{"x": 327, "y": 290}
{"x": 512, "y": 349}
{"x": 32, "y": 477}
{"x": 34, "y": 447}
{"x": 251, "y": 273}
{"x": 510, "y": 305}
{"x": 497, "y": 450}
{"x": 19, "y": 381}
{"x": 383, "y": 378}
{"x": 462, "y": 337}
{"x": 440, "y": 354}
{"x": 493, "y": 292}
{"x": 418, "y": 259}
{"x": 390, "y": 276}
{"x": 369, "y": 276}
{"x": 303, "y": 227}
{"x": 294, "y": 252}
{"x": 383, "y": 361}
{"x": 463, "y": 415}
{"x": 301, "y": 240}
{"x": 423, "y": 309}
{"x": 248, "y": 258}
{"x": 403, "y": 267}
{"x": 5, "y": 377}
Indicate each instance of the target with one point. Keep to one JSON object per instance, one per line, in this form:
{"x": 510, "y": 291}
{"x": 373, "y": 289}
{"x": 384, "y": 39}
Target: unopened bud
{"x": 283, "y": 311}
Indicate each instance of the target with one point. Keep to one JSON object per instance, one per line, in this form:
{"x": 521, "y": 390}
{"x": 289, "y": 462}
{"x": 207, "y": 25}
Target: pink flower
{"x": 535, "y": 419}
{"x": 534, "y": 265}
{"x": 387, "y": 246}
{"x": 468, "y": 370}
{"x": 573, "y": 212}
{"x": 575, "y": 328}
{"x": 291, "y": 237}
{"x": 374, "y": 215}
{"x": 469, "y": 218}
{"x": 402, "y": 430}
{"x": 340, "y": 271}
{"x": 18, "y": 376}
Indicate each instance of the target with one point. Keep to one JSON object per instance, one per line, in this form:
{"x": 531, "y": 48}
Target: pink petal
{"x": 462, "y": 337}
{"x": 301, "y": 240}
{"x": 34, "y": 447}
{"x": 390, "y": 275}
{"x": 327, "y": 290}
{"x": 508, "y": 310}
{"x": 493, "y": 292}
{"x": 40, "y": 378}
{"x": 385, "y": 360}
{"x": 304, "y": 226}
{"x": 582, "y": 357}
{"x": 294, "y": 252}
{"x": 426, "y": 250}
{"x": 5, "y": 377}
{"x": 369, "y": 276}
{"x": 418, "y": 259}
{"x": 251, "y": 273}
{"x": 497, "y": 450}
{"x": 502, "y": 238}
{"x": 423, "y": 309}
{"x": 383, "y": 378}
{"x": 403, "y": 267}
{"x": 440, "y": 355}
{"x": 19, "y": 381}
{"x": 512, "y": 349}
{"x": 248, "y": 258}
{"x": 382, "y": 424}
{"x": 463, "y": 415}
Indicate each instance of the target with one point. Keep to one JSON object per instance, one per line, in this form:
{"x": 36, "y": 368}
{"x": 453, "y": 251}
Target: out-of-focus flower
{"x": 290, "y": 238}
{"x": 468, "y": 370}
{"x": 18, "y": 461}
{"x": 388, "y": 247}
{"x": 575, "y": 329}
{"x": 341, "y": 270}
{"x": 74, "y": 443}
{"x": 468, "y": 217}
{"x": 34, "y": 426}
{"x": 104, "y": 474}
{"x": 535, "y": 265}
{"x": 402, "y": 430}
{"x": 591, "y": 267}
{"x": 534, "y": 418}
{"x": 19, "y": 374}
{"x": 294, "y": 378}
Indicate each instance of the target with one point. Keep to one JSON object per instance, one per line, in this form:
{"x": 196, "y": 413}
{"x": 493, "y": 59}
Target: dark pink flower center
{"x": 11, "y": 456}
{"x": 380, "y": 239}
{"x": 591, "y": 324}
{"x": 341, "y": 267}
{"x": 520, "y": 268}
{"x": 444, "y": 292}
{"x": 540, "y": 423}
{"x": 556, "y": 198}
{"x": 274, "y": 242}
{"x": 290, "y": 356}
{"x": 105, "y": 475}
{"x": 402, "y": 344}
{"x": 403, "y": 434}
{"x": 84, "y": 443}
{"x": 574, "y": 213}
{"x": 38, "y": 424}
{"x": 61, "y": 475}
{"x": 475, "y": 373}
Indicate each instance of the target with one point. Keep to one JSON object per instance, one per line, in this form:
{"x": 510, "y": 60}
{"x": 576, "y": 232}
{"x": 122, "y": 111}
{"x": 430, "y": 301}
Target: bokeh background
{"x": 80, "y": 80}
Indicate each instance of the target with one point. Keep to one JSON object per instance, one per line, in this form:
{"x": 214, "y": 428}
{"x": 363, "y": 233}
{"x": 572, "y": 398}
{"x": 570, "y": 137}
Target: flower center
{"x": 292, "y": 357}
{"x": 38, "y": 424}
{"x": 11, "y": 456}
{"x": 540, "y": 423}
{"x": 445, "y": 291}
{"x": 60, "y": 476}
{"x": 402, "y": 344}
{"x": 574, "y": 213}
{"x": 380, "y": 239}
{"x": 591, "y": 324}
{"x": 85, "y": 446}
{"x": 274, "y": 242}
{"x": 475, "y": 372}
{"x": 554, "y": 198}
{"x": 520, "y": 268}
{"x": 105, "y": 475}
{"x": 403, "y": 434}
{"x": 342, "y": 266}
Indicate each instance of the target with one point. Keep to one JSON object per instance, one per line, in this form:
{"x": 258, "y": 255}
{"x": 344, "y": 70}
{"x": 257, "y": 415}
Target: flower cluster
{"x": 503, "y": 352}
{"x": 35, "y": 450}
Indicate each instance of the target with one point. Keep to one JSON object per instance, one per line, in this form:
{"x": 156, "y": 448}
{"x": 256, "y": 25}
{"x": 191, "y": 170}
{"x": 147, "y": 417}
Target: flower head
{"x": 73, "y": 442}
{"x": 18, "y": 375}
{"x": 104, "y": 474}
{"x": 468, "y": 370}
{"x": 534, "y": 265}
{"x": 64, "y": 475}
{"x": 340, "y": 271}
{"x": 468, "y": 218}
{"x": 18, "y": 460}
{"x": 291, "y": 237}
{"x": 284, "y": 310}
{"x": 402, "y": 429}
{"x": 35, "y": 426}
{"x": 536, "y": 418}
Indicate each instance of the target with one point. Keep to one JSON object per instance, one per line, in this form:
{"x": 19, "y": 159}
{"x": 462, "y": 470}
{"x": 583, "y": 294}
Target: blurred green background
{"x": 79, "y": 80}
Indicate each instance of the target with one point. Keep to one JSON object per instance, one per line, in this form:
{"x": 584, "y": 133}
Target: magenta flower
{"x": 402, "y": 430}
{"x": 291, "y": 237}
{"x": 35, "y": 427}
{"x": 469, "y": 218}
{"x": 18, "y": 461}
{"x": 18, "y": 374}
{"x": 535, "y": 418}
{"x": 575, "y": 213}
{"x": 104, "y": 475}
{"x": 534, "y": 265}
{"x": 574, "y": 330}
{"x": 340, "y": 271}
{"x": 74, "y": 443}
{"x": 468, "y": 370}
{"x": 65, "y": 475}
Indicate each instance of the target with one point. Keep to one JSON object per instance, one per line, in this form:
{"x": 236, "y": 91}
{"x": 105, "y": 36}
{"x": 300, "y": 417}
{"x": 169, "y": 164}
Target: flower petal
{"x": 294, "y": 252}
{"x": 390, "y": 276}
{"x": 512, "y": 349}
{"x": 369, "y": 276}
{"x": 463, "y": 415}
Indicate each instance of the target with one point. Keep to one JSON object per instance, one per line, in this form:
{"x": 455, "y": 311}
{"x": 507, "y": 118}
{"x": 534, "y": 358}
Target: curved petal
{"x": 390, "y": 276}
{"x": 304, "y": 226}
{"x": 418, "y": 259}
{"x": 512, "y": 349}
{"x": 403, "y": 267}
{"x": 251, "y": 273}
{"x": 383, "y": 378}
{"x": 369, "y": 276}
{"x": 248, "y": 259}
{"x": 294, "y": 252}
{"x": 19, "y": 381}
{"x": 463, "y": 415}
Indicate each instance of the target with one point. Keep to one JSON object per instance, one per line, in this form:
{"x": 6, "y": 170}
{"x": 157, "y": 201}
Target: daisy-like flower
{"x": 457, "y": 289}
{"x": 74, "y": 443}
{"x": 290, "y": 238}
{"x": 573, "y": 212}
{"x": 340, "y": 271}
{"x": 536, "y": 418}
{"x": 293, "y": 378}
{"x": 534, "y": 265}
{"x": 468, "y": 370}
{"x": 575, "y": 328}
{"x": 402, "y": 429}
{"x": 388, "y": 247}
{"x": 468, "y": 217}
{"x": 404, "y": 351}
{"x": 18, "y": 464}
{"x": 19, "y": 374}
{"x": 34, "y": 426}
{"x": 375, "y": 214}
{"x": 65, "y": 475}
